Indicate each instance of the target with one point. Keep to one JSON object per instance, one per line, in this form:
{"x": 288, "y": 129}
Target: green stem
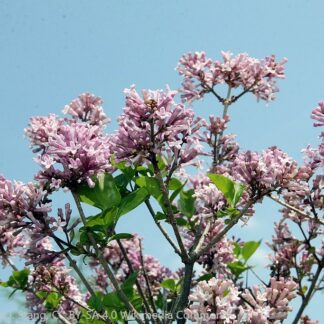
{"x": 139, "y": 288}
{"x": 104, "y": 264}
{"x": 309, "y": 293}
{"x": 163, "y": 231}
{"x": 74, "y": 265}
{"x": 183, "y": 299}
{"x": 170, "y": 215}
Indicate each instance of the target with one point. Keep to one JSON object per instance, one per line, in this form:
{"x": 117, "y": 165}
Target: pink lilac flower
{"x": 306, "y": 320}
{"x": 154, "y": 124}
{"x": 19, "y": 200}
{"x": 195, "y": 67}
{"x": 209, "y": 199}
{"x": 217, "y": 125}
{"x": 11, "y": 242}
{"x": 39, "y": 251}
{"x": 76, "y": 153}
{"x": 274, "y": 299}
{"x": 201, "y": 75}
{"x": 214, "y": 300}
{"x": 41, "y": 128}
{"x": 71, "y": 150}
{"x": 266, "y": 172}
{"x": 87, "y": 108}
{"x": 314, "y": 158}
{"x": 54, "y": 278}
{"x": 289, "y": 252}
{"x": 225, "y": 145}
{"x": 318, "y": 114}
{"x": 285, "y": 247}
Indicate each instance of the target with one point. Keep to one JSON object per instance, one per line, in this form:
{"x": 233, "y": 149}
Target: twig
{"x": 219, "y": 98}
{"x": 165, "y": 196}
{"x": 202, "y": 238}
{"x": 89, "y": 310}
{"x": 131, "y": 269}
{"x": 219, "y": 236}
{"x": 146, "y": 278}
{"x": 6, "y": 258}
{"x": 226, "y": 104}
{"x": 104, "y": 264}
{"x": 235, "y": 98}
{"x": 161, "y": 228}
{"x": 170, "y": 214}
{"x": 258, "y": 277}
{"x": 282, "y": 203}
{"x": 74, "y": 265}
{"x": 309, "y": 293}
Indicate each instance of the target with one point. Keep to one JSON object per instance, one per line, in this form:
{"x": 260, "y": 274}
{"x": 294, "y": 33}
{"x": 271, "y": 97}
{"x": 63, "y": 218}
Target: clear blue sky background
{"x": 51, "y": 51}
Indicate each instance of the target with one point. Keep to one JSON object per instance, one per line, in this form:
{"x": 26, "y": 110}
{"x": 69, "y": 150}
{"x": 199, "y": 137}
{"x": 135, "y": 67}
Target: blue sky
{"x": 51, "y": 51}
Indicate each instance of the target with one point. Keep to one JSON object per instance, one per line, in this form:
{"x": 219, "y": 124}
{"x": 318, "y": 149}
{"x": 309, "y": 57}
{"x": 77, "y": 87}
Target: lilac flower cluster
{"x": 209, "y": 199}
{"x": 306, "y": 320}
{"x": 202, "y": 74}
{"x": 75, "y": 154}
{"x": 87, "y": 108}
{"x": 318, "y": 114}
{"x": 19, "y": 200}
{"x": 271, "y": 305}
{"x": 154, "y": 125}
{"x": 219, "y": 300}
{"x": 264, "y": 172}
{"x": 71, "y": 151}
{"x": 224, "y": 147}
{"x": 214, "y": 301}
{"x": 54, "y": 278}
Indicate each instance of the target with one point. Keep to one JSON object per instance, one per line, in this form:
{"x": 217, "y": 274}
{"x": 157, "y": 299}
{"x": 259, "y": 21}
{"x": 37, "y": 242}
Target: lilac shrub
{"x": 79, "y": 269}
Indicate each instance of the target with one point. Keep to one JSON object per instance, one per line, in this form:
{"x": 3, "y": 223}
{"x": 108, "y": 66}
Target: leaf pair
{"x": 106, "y": 196}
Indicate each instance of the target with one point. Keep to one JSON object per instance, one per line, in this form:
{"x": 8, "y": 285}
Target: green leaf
{"x": 237, "y": 268}
{"x": 174, "y": 184}
{"x": 151, "y": 184}
{"x": 104, "y": 220}
{"x": 95, "y": 302}
{"x": 249, "y": 249}
{"x": 177, "y": 189}
{"x": 169, "y": 284}
{"x": 112, "y": 300}
{"x": 21, "y": 277}
{"x": 205, "y": 277}
{"x": 181, "y": 221}
{"x": 121, "y": 181}
{"x": 18, "y": 279}
{"x": 98, "y": 237}
{"x": 186, "y": 202}
{"x": 161, "y": 162}
{"x": 104, "y": 195}
{"x": 128, "y": 171}
{"x": 160, "y": 216}
{"x": 52, "y": 301}
{"x": 231, "y": 190}
{"x": 132, "y": 200}
{"x": 120, "y": 236}
{"x": 236, "y": 249}
{"x": 128, "y": 284}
